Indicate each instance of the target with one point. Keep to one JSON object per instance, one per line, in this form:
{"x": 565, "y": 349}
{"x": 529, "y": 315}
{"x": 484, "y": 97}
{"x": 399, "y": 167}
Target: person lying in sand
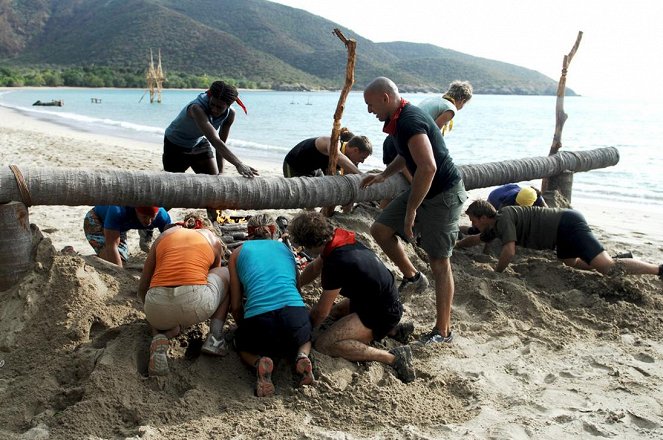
{"x": 273, "y": 321}
{"x": 106, "y": 227}
{"x": 310, "y": 157}
{"x": 371, "y": 309}
{"x": 565, "y": 230}
{"x": 183, "y": 284}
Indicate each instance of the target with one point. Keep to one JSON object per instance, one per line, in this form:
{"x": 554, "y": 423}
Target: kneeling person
{"x": 371, "y": 309}
{"x": 273, "y": 322}
{"x": 183, "y": 284}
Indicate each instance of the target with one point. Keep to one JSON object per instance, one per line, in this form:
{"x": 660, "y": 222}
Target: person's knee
{"x": 381, "y": 232}
{"x": 440, "y": 266}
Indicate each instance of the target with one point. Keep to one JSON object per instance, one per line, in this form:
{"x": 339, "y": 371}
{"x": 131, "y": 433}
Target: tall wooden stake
{"x": 351, "y": 45}
{"x": 560, "y": 115}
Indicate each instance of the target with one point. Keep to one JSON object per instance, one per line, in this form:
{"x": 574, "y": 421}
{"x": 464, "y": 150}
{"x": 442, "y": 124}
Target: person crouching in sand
{"x": 565, "y": 230}
{"x": 273, "y": 321}
{"x": 183, "y": 284}
{"x": 371, "y": 309}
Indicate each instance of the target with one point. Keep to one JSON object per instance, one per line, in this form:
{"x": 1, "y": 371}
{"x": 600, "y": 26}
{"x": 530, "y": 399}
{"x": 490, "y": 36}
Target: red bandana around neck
{"x": 390, "y": 125}
{"x": 341, "y": 238}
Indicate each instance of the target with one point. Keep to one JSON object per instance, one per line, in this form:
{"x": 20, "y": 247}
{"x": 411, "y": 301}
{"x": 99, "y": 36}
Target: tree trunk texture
{"x": 15, "y": 244}
{"x": 76, "y": 187}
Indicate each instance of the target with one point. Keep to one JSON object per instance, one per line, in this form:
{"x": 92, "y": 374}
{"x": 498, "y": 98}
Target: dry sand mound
{"x": 542, "y": 351}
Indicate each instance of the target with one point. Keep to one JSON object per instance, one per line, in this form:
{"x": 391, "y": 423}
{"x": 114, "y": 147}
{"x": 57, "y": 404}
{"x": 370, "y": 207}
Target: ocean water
{"x": 489, "y": 128}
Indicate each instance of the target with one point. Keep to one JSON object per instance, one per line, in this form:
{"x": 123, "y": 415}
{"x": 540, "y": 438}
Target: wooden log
{"x": 16, "y": 257}
{"x": 75, "y": 187}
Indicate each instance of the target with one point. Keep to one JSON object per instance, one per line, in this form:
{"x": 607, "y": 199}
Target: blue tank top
{"x": 184, "y": 132}
{"x": 266, "y": 269}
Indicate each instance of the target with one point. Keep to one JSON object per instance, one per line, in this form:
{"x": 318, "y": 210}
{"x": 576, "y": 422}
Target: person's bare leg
{"x": 349, "y": 338}
{"x": 444, "y": 293}
{"x": 387, "y": 240}
{"x": 604, "y": 263}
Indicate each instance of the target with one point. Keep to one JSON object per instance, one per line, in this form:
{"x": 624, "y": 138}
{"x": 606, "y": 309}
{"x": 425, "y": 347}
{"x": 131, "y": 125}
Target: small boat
{"x": 52, "y": 103}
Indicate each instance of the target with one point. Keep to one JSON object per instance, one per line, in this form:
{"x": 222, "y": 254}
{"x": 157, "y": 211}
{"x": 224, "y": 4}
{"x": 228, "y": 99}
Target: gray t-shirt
{"x": 529, "y": 226}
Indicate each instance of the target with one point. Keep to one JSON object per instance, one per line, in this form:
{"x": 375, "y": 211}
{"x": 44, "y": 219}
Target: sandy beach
{"x": 542, "y": 351}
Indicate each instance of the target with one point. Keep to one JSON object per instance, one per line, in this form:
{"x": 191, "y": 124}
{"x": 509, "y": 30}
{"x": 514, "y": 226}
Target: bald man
{"x": 431, "y": 207}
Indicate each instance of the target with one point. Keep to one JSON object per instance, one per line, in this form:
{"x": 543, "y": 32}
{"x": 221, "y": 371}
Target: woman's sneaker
{"x": 435, "y": 337}
{"x": 304, "y": 369}
{"x": 417, "y": 284}
{"x": 264, "y": 385}
{"x": 215, "y": 347}
{"x": 403, "y": 363}
{"x": 158, "y": 365}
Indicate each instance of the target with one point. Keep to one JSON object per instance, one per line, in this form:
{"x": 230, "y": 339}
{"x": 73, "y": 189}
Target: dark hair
{"x": 362, "y": 143}
{"x": 480, "y": 208}
{"x": 224, "y": 92}
{"x": 310, "y": 229}
{"x": 345, "y": 135}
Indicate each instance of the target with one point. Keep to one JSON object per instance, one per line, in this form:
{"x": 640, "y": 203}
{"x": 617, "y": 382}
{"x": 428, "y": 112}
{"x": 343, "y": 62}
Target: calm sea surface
{"x": 489, "y": 128}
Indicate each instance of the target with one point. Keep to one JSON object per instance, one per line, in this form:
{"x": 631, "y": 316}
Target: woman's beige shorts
{"x": 167, "y": 307}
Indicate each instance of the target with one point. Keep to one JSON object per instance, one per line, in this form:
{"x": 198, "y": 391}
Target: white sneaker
{"x": 215, "y": 347}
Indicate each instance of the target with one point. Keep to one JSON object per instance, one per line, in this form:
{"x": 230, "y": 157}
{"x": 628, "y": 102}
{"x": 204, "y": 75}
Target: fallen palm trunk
{"x": 75, "y": 187}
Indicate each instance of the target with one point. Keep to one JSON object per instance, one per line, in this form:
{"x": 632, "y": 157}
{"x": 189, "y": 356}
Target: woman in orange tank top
{"x": 183, "y": 284}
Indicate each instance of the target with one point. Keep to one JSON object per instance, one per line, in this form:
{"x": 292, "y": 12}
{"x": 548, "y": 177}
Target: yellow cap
{"x": 526, "y": 196}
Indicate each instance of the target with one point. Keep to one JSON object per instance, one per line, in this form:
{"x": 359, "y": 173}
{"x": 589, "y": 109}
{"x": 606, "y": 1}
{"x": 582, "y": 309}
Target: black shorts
{"x": 575, "y": 238}
{"x": 380, "y": 318}
{"x": 177, "y": 159}
{"x": 278, "y": 333}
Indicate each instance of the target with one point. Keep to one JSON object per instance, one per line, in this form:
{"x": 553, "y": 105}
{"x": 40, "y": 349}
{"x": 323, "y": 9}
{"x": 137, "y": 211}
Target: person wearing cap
{"x": 564, "y": 230}
{"x": 106, "y": 227}
{"x": 273, "y": 321}
{"x": 201, "y": 128}
{"x": 310, "y": 157}
{"x": 183, "y": 284}
{"x": 513, "y": 194}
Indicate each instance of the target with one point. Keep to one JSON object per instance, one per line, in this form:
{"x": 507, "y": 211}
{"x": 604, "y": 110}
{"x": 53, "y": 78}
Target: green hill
{"x": 256, "y": 41}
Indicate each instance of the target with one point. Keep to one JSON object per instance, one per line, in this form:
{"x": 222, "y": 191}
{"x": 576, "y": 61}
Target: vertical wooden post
{"x": 15, "y": 244}
{"x": 560, "y": 115}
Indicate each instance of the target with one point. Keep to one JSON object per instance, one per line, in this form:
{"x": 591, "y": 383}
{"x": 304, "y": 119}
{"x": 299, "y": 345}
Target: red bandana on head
{"x": 341, "y": 238}
{"x": 237, "y": 100}
{"x": 390, "y": 125}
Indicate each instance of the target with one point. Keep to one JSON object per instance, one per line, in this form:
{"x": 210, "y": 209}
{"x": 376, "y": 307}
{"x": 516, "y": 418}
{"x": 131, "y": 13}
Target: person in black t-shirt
{"x": 371, "y": 308}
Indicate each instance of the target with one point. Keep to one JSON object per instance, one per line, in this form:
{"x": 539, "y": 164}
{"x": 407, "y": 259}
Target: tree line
{"x": 102, "y": 76}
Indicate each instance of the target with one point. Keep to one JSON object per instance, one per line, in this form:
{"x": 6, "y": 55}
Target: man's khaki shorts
{"x": 168, "y": 307}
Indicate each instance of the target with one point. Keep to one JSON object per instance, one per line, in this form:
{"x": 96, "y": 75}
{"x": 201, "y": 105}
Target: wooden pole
{"x": 560, "y": 115}
{"x": 351, "y": 45}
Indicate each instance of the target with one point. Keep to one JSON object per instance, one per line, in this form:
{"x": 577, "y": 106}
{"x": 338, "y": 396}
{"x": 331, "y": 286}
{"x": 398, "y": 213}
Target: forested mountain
{"x": 256, "y": 41}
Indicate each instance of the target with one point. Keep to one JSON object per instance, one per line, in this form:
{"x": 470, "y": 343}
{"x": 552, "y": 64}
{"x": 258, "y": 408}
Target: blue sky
{"x": 620, "y": 52}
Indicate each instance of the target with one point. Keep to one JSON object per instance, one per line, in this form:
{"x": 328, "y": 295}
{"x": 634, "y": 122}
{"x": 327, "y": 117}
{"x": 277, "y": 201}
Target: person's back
{"x": 360, "y": 275}
{"x": 437, "y": 105}
{"x": 183, "y": 257}
{"x": 267, "y": 271}
{"x": 304, "y": 159}
{"x": 529, "y": 226}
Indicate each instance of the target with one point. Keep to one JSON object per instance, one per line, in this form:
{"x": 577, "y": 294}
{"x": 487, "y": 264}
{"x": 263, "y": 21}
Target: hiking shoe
{"x": 158, "y": 365}
{"x": 403, "y": 363}
{"x": 146, "y": 237}
{"x": 304, "y": 369}
{"x": 435, "y": 336}
{"x": 215, "y": 347}
{"x": 660, "y": 272}
{"x": 402, "y": 332}
{"x": 264, "y": 385}
{"x": 416, "y": 284}
{"x": 627, "y": 254}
